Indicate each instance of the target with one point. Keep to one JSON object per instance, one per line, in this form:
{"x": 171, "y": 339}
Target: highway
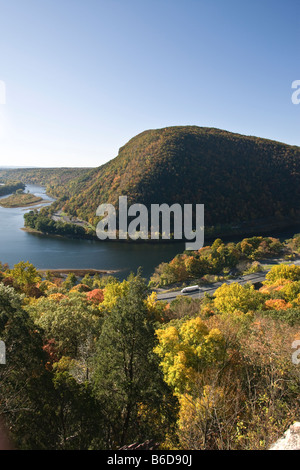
{"x": 198, "y": 294}
{"x": 210, "y": 289}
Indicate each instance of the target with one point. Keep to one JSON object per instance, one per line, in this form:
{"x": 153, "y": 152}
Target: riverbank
{"x": 78, "y": 272}
{"x": 57, "y": 235}
{"x": 21, "y": 200}
{"x": 68, "y": 228}
{"x": 270, "y": 227}
{"x": 49, "y": 251}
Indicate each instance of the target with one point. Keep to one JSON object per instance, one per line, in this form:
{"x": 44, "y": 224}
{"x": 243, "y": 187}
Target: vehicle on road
{"x": 189, "y": 289}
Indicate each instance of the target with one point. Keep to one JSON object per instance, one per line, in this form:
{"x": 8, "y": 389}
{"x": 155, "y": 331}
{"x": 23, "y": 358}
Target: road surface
{"x": 198, "y": 294}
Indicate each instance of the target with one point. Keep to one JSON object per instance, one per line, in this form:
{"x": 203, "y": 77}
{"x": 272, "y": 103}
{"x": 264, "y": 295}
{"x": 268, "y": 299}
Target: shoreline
{"x": 79, "y": 272}
{"x": 23, "y": 206}
{"x": 262, "y": 230}
{"x": 55, "y": 235}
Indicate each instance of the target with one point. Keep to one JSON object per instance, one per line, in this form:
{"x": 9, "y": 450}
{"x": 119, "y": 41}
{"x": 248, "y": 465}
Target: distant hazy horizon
{"x": 12, "y": 167}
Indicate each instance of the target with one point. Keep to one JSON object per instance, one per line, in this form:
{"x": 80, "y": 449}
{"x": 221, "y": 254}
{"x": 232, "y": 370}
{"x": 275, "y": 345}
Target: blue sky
{"x": 84, "y": 76}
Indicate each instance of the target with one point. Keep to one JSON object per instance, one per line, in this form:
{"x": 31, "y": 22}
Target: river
{"x": 64, "y": 253}
{"x": 47, "y": 252}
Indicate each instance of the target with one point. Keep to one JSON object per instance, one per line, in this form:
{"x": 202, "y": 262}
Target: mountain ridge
{"x": 238, "y": 178}
{"x": 191, "y": 164}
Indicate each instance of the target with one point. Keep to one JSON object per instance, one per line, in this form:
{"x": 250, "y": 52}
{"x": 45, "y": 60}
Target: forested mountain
{"x": 50, "y": 177}
{"x": 238, "y": 178}
{"x": 11, "y": 187}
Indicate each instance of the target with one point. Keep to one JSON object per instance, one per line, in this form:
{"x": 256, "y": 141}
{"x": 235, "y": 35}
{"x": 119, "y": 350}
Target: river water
{"x": 58, "y": 253}
{"x": 47, "y": 252}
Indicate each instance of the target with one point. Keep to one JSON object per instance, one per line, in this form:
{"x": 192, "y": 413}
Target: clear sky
{"x": 84, "y": 76}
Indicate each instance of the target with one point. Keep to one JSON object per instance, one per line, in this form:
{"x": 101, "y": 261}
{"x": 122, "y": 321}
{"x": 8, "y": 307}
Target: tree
{"x": 87, "y": 280}
{"x": 95, "y": 296}
{"x": 234, "y": 297}
{"x": 70, "y": 321}
{"x": 283, "y": 271}
{"x": 25, "y": 383}
{"x": 25, "y": 274}
{"x": 78, "y": 414}
{"x": 114, "y": 291}
{"x": 186, "y": 350}
{"x": 192, "y": 356}
{"x": 126, "y": 372}
{"x": 71, "y": 281}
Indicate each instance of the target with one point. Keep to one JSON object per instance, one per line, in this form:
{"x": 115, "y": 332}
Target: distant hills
{"x": 7, "y": 167}
{"x": 50, "y": 177}
{"x": 238, "y": 178}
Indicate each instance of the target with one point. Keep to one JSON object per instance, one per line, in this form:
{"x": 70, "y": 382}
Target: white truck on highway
{"x": 189, "y": 289}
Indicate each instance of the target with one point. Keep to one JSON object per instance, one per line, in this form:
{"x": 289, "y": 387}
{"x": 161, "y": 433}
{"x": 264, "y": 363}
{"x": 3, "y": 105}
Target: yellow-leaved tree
{"x": 283, "y": 271}
{"x": 230, "y": 298}
{"x": 112, "y": 292}
{"x": 186, "y": 350}
{"x": 189, "y": 352}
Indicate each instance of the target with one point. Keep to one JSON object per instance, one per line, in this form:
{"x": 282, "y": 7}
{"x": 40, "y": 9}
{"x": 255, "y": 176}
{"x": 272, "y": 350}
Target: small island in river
{"x": 20, "y": 199}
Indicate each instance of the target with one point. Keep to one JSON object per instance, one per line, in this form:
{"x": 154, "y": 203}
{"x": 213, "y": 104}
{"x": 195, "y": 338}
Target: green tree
{"x": 88, "y": 281}
{"x": 26, "y": 387}
{"x": 78, "y": 414}
{"x": 126, "y": 372}
{"x": 71, "y": 281}
{"x": 69, "y": 320}
{"x": 25, "y": 274}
